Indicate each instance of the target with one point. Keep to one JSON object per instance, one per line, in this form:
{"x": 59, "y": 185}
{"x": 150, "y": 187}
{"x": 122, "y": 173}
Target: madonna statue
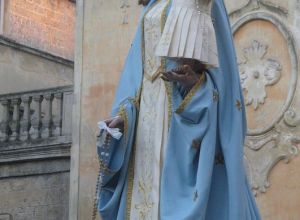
{"x": 180, "y": 107}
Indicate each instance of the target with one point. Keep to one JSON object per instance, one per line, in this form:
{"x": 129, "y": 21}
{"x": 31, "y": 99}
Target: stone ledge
{"x": 66, "y": 88}
{"x": 38, "y": 167}
{"x": 51, "y": 148}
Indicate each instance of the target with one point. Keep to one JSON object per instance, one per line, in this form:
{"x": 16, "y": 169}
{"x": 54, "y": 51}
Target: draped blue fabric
{"x": 112, "y": 194}
{"x": 193, "y": 185}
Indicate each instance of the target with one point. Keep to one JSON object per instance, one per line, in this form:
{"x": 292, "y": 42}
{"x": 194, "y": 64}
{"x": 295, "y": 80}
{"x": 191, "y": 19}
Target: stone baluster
{"x": 35, "y": 129}
{"x": 25, "y": 122}
{"x": 57, "y": 121}
{"x": 47, "y": 121}
{"x": 15, "y": 122}
{"x": 4, "y": 125}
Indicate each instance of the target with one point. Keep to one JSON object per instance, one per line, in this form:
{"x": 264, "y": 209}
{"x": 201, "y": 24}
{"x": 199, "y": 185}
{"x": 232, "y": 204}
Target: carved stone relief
{"x": 234, "y": 5}
{"x": 276, "y": 6}
{"x": 279, "y": 4}
{"x": 263, "y": 153}
{"x": 257, "y": 71}
{"x": 268, "y": 67}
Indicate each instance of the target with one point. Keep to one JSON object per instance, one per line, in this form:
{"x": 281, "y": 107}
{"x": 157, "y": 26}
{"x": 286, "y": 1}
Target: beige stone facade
{"x": 36, "y": 54}
{"x": 266, "y": 35}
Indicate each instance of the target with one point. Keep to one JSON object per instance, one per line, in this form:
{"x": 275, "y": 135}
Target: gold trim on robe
{"x": 152, "y": 125}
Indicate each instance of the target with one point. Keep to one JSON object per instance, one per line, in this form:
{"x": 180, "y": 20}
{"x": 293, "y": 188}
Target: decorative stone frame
{"x": 294, "y": 61}
{"x": 265, "y": 147}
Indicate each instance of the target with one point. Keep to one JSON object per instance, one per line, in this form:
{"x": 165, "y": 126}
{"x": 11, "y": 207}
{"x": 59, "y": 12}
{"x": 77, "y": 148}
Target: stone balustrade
{"x": 40, "y": 116}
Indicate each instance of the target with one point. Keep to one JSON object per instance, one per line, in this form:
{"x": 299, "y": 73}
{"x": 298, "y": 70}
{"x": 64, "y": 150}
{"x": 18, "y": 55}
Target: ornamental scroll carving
{"x": 266, "y": 152}
{"x": 269, "y": 80}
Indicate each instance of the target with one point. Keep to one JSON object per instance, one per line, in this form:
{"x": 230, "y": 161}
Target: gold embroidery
{"x": 136, "y": 100}
{"x": 163, "y": 65}
{"x": 170, "y": 103}
{"x": 146, "y": 204}
{"x": 130, "y": 183}
{"x": 123, "y": 114}
{"x": 103, "y": 168}
{"x": 190, "y": 95}
{"x": 238, "y": 104}
{"x": 143, "y": 34}
{"x": 196, "y": 144}
{"x": 132, "y": 164}
{"x": 196, "y": 195}
{"x": 155, "y": 75}
{"x": 219, "y": 159}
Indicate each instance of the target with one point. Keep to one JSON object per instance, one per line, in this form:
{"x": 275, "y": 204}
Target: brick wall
{"x": 47, "y": 25}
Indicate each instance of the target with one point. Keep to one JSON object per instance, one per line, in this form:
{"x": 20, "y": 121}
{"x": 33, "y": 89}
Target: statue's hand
{"x": 115, "y": 122}
{"x": 184, "y": 75}
{"x": 144, "y": 2}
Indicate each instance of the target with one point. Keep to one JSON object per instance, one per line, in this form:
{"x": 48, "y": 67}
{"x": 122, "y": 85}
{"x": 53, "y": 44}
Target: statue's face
{"x": 144, "y": 2}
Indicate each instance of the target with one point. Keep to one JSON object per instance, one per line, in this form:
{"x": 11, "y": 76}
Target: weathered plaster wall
{"x": 108, "y": 28}
{"x": 266, "y": 35}
{"x": 35, "y": 197}
{"x": 104, "y": 32}
{"x": 23, "y": 71}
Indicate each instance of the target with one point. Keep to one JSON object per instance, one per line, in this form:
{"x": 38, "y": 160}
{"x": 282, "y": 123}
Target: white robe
{"x": 152, "y": 125}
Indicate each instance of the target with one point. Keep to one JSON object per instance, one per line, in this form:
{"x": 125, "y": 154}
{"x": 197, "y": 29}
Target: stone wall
{"x": 41, "y": 24}
{"x": 22, "y": 70}
{"x": 29, "y": 193}
{"x": 36, "y": 53}
{"x": 266, "y": 35}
